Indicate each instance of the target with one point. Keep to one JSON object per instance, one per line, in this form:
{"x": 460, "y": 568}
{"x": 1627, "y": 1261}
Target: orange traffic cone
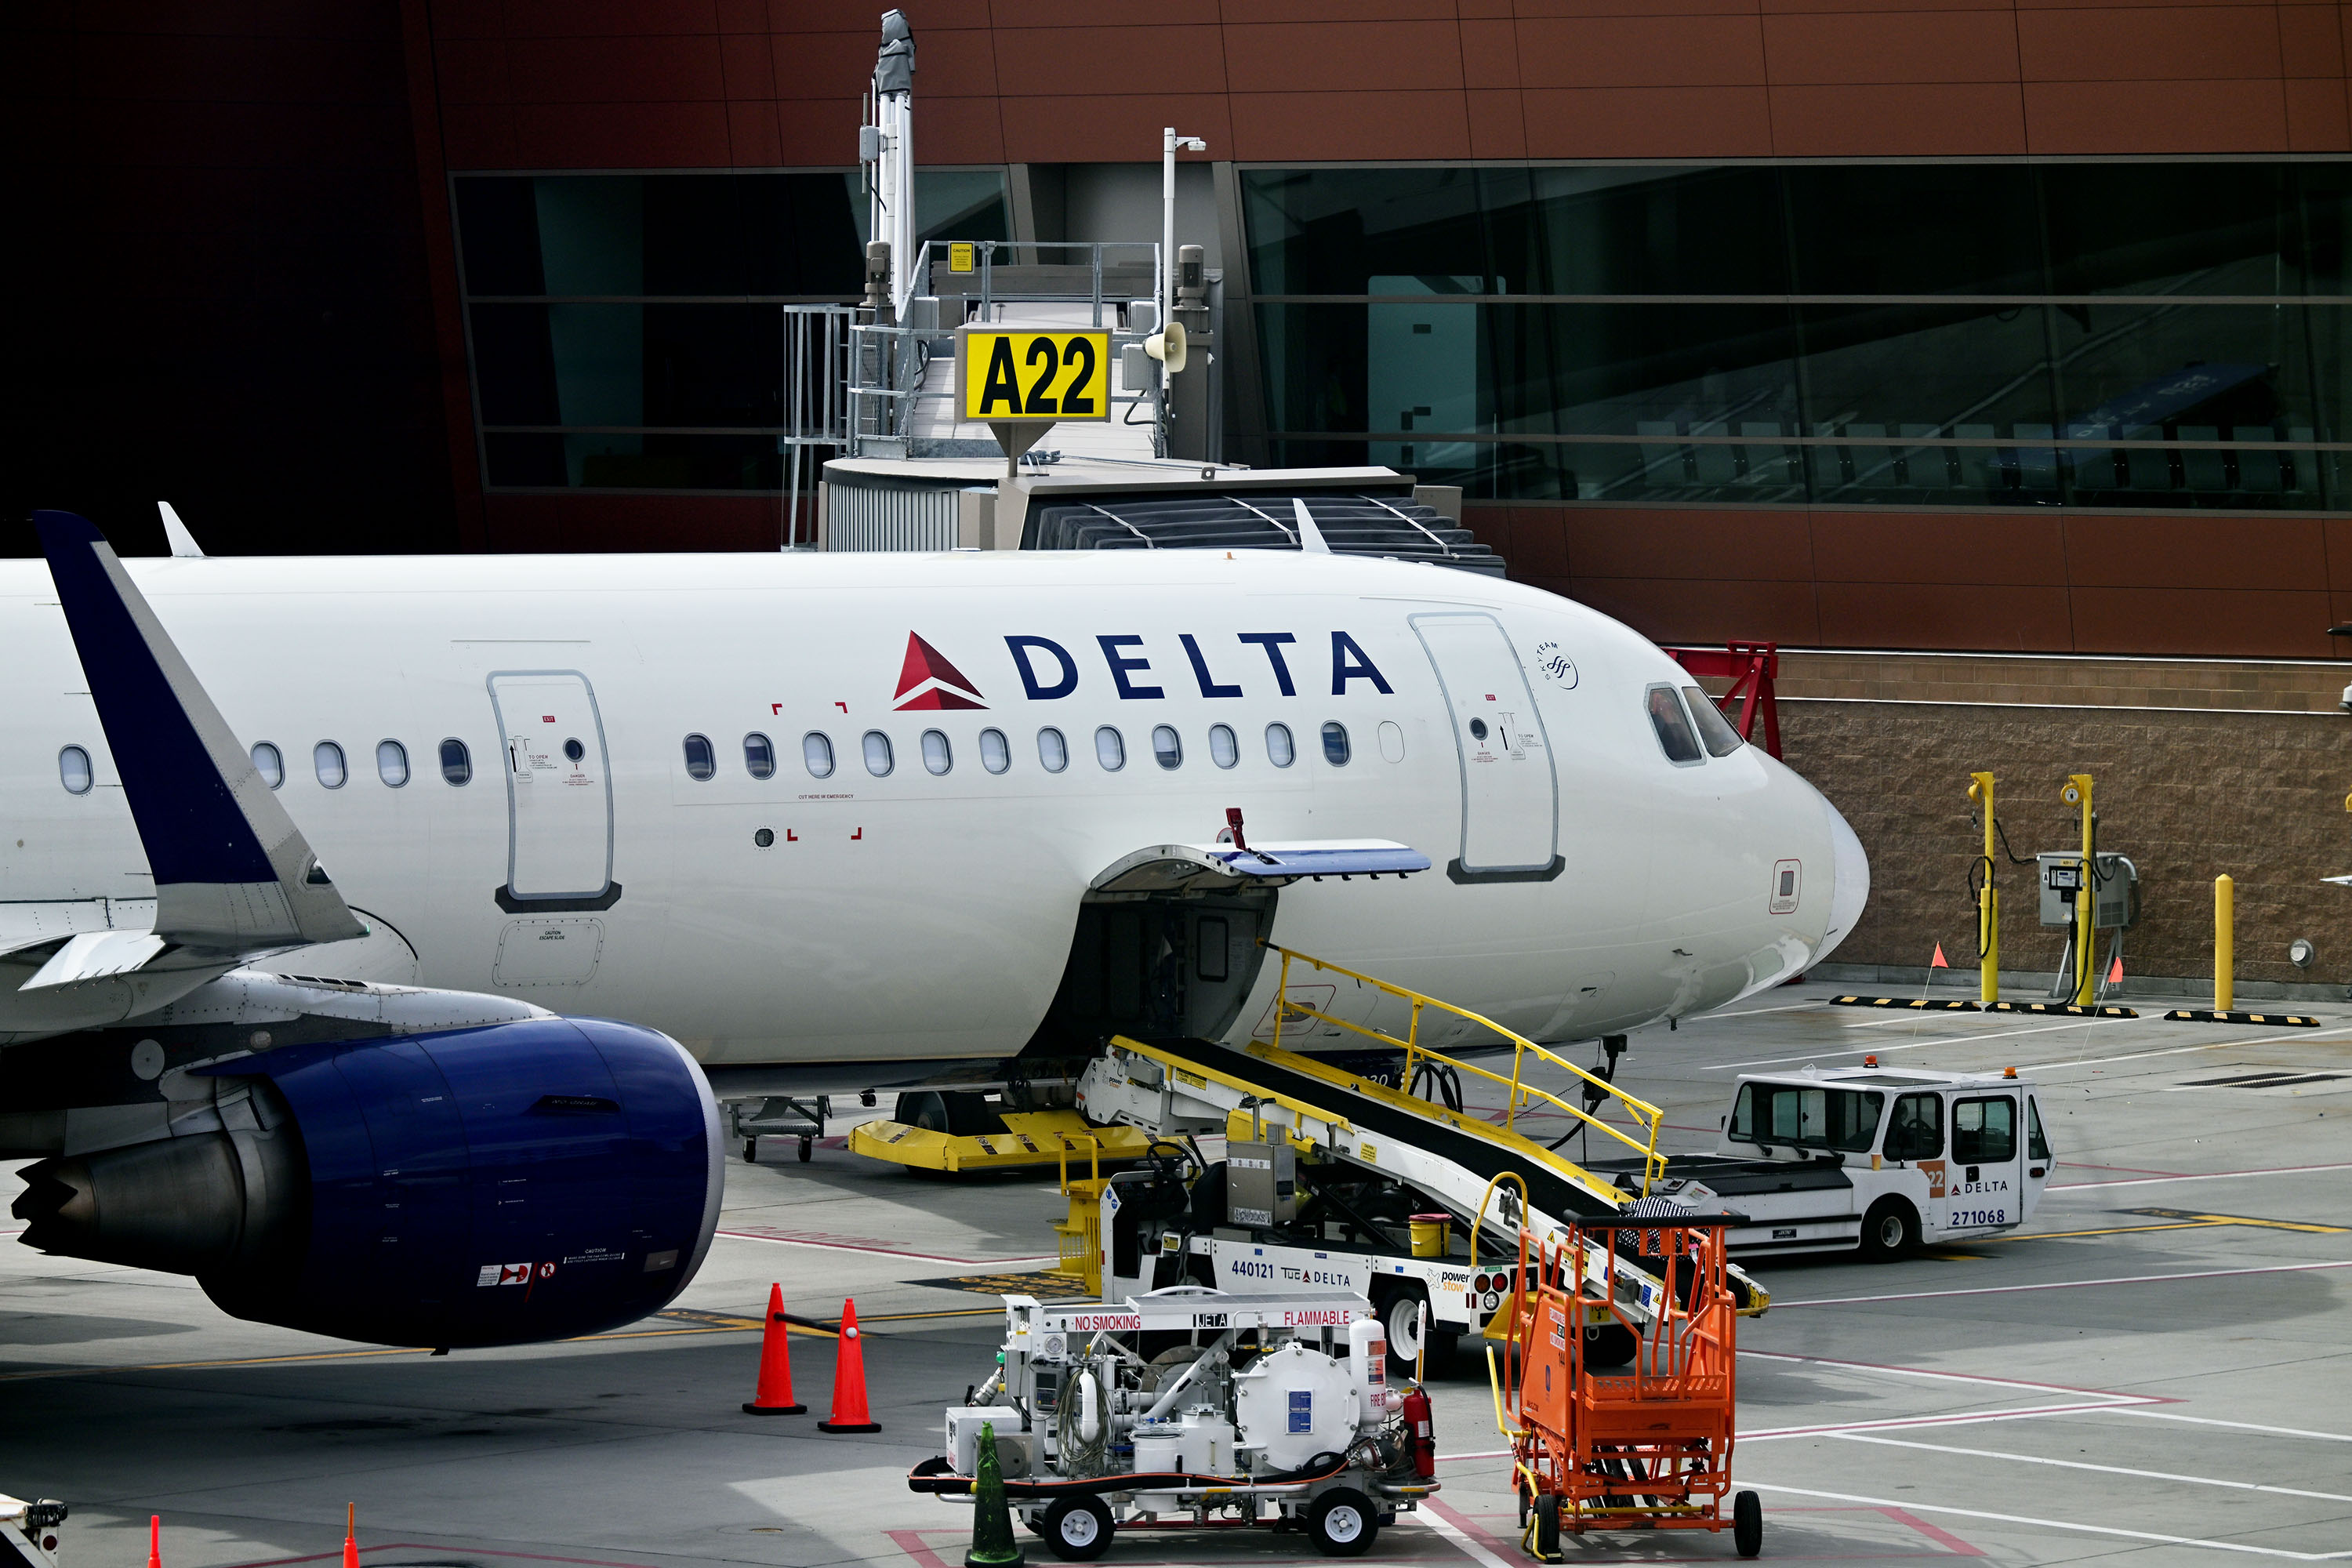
{"x": 351, "y": 1535}
{"x": 154, "y": 1541}
{"x": 849, "y": 1412}
{"x": 774, "y": 1395}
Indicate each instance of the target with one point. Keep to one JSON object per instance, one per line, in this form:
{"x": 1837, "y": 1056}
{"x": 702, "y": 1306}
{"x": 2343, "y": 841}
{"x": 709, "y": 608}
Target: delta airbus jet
{"x": 320, "y": 872}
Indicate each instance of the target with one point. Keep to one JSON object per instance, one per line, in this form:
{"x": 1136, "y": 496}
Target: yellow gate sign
{"x": 1021, "y": 376}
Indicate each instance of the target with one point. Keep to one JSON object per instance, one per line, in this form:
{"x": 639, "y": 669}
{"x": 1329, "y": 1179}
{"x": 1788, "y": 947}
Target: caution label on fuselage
{"x": 1010, "y": 374}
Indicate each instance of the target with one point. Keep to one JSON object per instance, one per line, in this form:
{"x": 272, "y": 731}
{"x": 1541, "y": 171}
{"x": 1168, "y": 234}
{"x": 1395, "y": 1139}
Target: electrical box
{"x": 1261, "y": 1183}
{"x": 2114, "y": 900}
{"x": 1016, "y": 1449}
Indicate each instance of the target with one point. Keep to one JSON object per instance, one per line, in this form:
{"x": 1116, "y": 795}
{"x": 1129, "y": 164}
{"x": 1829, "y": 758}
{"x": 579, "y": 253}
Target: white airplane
{"x": 852, "y": 815}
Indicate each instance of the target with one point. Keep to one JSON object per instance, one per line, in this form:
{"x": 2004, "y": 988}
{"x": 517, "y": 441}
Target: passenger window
{"x": 1110, "y": 749}
{"x": 2037, "y": 1147}
{"x": 1918, "y": 1132}
{"x": 1984, "y": 1131}
{"x": 392, "y": 764}
{"x": 701, "y": 762}
{"x": 1391, "y": 742}
{"x": 1721, "y": 738}
{"x": 816, "y": 754}
{"x": 878, "y": 760}
{"x": 1167, "y": 748}
{"x": 1335, "y": 744}
{"x": 73, "y": 770}
{"x": 457, "y": 763}
{"x": 1674, "y": 729}
{"x": 1053, "y": 752}
{"x": 269, "y": 763}
{"x": 937, "y": 757}
{"x": 1223, "y": 750}
{"x": 995, "y": 755}
{"x": 1209, "y": 958}
{"x": 327, "y": 762}
{"x": 1279, "y": 749}
{"x": 759, "y": 756}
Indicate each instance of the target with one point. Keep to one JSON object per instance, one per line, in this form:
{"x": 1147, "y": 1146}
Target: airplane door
{"x": 559, "y": 792}
{"x": 1510, "y": 799}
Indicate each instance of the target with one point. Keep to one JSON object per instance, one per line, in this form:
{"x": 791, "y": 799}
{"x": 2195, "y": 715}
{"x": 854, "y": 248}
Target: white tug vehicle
{"x": 1194, "y": 1408}
{"x": 1871, "y": 1157}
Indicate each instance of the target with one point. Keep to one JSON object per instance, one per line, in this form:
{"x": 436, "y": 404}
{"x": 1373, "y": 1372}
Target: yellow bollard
{"x": 2077, "y": 792}
{"x": 2225, "y": 946}
{"x": 1989, "y": 902}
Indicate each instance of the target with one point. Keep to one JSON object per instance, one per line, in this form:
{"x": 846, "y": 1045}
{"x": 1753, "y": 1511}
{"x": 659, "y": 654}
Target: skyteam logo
{"x": 927, "y": 682}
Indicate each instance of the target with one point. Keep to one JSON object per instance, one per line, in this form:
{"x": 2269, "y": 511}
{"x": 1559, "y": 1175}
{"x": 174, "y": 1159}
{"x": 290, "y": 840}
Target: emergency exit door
{"x": 1510, "y": 800}
{"x": 559, "y": 792}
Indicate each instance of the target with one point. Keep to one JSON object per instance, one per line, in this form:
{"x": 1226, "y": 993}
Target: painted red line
{"x": 2062, "y": 1285}
{"x": 421, "y": 1546}
{"x": 910, "y": 1541}
{"x": 835, "y": 1244}
{"x": 1468, "y": 1526}
{"x": 1943, "y": 1538}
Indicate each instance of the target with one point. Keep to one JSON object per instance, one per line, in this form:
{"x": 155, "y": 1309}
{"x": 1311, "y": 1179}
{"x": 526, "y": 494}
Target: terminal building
{"x": 1994, "y": 362}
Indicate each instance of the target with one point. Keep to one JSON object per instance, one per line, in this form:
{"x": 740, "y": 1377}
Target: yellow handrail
{"x": 1649, "y": 1117}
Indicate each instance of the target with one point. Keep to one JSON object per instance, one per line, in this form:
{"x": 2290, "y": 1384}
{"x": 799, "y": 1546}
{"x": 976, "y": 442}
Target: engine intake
{"x": 527, "y": 1181}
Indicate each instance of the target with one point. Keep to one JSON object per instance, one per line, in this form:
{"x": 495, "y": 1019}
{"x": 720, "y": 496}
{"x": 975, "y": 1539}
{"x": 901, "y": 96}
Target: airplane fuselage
{"x": 918, "y": 898}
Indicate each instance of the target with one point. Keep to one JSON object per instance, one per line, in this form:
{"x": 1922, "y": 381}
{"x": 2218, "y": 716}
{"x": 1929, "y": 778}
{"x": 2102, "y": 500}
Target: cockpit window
{"x": 1721, "y": 738}
{"x": 1802, "y": 1117}
{"x": 1667, "y": 717}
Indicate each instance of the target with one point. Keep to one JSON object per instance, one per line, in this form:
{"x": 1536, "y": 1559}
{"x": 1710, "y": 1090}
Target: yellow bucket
{"x": 1433, "y": 1233}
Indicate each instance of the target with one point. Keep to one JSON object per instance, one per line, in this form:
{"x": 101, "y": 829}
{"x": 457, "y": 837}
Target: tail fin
{"x": 233, "y": 874}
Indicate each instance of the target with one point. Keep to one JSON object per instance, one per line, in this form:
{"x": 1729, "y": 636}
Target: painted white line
{"x": 1916, "y": 1044}
{"x": 2059, "y": 1524}
{"x": 2064, "y": 1284}
{"x": 837, "y": 1246}
{"x": 2079, "y": 1465}
{"x": 1754, "y": 1013}
{"x": 2240, "y": 1425}
{"x": 1431, "y": 1516}
{"x": 2294, "y": 1036}
{"x": 2207, "y": 1176}
{"x": 1895, "y": 1423}
{"x": 1931, "y": 1376}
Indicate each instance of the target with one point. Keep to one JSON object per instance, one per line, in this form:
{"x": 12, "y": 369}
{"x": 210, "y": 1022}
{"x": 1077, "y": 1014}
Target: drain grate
{"x": 2276, "y": 1078}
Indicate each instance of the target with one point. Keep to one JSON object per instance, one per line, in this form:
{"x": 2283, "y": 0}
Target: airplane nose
{"x": 1849, "y": 885}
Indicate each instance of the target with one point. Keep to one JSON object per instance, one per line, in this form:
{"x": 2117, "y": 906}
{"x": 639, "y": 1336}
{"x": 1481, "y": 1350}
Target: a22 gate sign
{"x": 1012, "y": 375}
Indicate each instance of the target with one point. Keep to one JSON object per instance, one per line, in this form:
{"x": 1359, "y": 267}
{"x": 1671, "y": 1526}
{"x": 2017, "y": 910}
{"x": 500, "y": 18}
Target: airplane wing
{"x": 234, "y": 876}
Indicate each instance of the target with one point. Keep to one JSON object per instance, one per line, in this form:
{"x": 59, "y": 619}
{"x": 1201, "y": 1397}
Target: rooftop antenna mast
{"x": 889, "y": 145}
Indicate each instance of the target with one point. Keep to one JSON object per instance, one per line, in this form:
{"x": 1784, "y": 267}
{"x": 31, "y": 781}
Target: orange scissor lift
{"x": 1646, "y": 1446}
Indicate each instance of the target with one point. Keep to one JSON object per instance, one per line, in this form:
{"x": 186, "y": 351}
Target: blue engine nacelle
{"x": 526, "y": 1181}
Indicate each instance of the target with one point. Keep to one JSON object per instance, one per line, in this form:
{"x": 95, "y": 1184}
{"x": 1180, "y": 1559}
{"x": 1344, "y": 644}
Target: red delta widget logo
{"x": 1048, "y": 670}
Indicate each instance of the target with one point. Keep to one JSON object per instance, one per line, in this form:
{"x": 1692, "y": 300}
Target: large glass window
{"x": 2125, "y": 335}
{"x": 623, "y": 328}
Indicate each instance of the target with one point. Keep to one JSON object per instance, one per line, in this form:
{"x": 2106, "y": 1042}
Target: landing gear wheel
{"x": 958, "y": 1114}
{"x": 1747, "y": 1524}
{"x": 1404, "y": 1316}
{"x": 1548, "y": 1527}
{"x": 807, "y": 1144}
{"x": 1889, "y": 1231}
{"x": 1609, "y": 1344}
{"x": 1342, "y": 1523}
{"x": 1077, "y": 1529}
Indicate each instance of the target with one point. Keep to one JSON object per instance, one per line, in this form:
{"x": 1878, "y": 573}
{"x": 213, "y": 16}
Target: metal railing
{"x": 1646, "y": 1117}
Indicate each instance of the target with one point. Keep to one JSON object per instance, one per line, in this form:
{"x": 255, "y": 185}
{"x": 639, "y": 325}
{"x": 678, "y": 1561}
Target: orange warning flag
{"x": 1939, "y": 962}
{"x": 2116, "y": 970}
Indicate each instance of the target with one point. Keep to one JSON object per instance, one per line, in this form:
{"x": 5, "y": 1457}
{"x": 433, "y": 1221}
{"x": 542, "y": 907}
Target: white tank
{"x": 1294, "y": 1402}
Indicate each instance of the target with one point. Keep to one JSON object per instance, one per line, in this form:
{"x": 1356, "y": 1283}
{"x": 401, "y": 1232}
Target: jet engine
{"x": 531, "y": 1180}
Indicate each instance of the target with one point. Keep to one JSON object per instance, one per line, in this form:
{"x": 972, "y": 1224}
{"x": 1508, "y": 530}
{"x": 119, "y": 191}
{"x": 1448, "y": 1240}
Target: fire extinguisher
{"x": 1419, "y": 1433}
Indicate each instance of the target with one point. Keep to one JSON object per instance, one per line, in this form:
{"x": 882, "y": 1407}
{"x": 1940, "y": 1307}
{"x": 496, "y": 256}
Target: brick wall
{"x": 2188, "y": 795}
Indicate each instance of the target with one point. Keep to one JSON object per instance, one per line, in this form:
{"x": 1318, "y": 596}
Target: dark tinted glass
{"x": 514, "y": 365}
{"x": 456, "y": 764}
{"x": 750, "y": 234}
{"x": 1635, "y": 231}
{"x": 2322, "y": 233}
{"x": 1914, "y": 229}
{"x": 497, "y": 225}
{"x": 2197, "y": 228}
{"x": 1328, "y": 231}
